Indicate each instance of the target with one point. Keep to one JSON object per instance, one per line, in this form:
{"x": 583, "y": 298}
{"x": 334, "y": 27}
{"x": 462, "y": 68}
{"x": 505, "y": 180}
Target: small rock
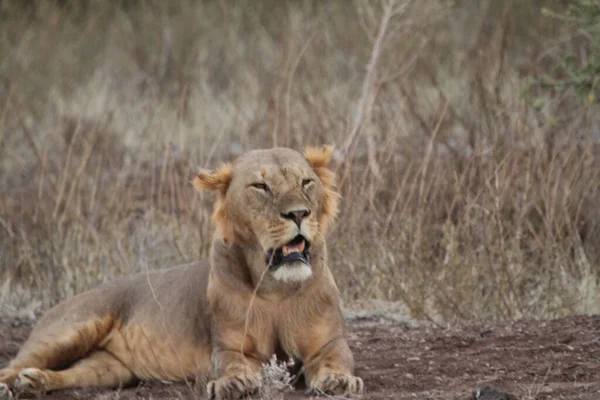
{"x": 486, "y": 331}
{"x": 491, "y": 393}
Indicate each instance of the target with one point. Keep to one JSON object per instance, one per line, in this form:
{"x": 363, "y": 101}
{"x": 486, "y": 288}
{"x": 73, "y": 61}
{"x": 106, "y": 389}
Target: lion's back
{"x": 173, "y": 297}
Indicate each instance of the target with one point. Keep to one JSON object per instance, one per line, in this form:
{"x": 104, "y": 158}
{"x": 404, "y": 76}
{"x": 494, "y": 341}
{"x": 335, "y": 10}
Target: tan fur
{"x": 319, "y": 160}
{"x": 194, "y": 320}
{"x": 219, "y": 181}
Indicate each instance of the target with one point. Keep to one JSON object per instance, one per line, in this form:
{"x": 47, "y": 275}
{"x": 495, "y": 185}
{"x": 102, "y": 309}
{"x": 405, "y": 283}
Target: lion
{"x": 265, "y": 289}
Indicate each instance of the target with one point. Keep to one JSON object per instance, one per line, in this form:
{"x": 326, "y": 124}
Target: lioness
{"x": 265, "y": 289}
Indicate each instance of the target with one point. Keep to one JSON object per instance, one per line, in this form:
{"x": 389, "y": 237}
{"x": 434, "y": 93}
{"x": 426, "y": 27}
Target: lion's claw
{"x": 338, "y": 384}
{"x": 232, "y": 387}
{"x": 5, "y": 393}
{"x": 30, "y": 380}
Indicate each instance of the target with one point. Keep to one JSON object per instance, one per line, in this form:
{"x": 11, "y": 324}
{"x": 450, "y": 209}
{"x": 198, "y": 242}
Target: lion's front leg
{"x": 237, "y": 376}
{"x": 330, "y": 370}
{"x": 327, "y": 358}
{"x": 237, "y": 367}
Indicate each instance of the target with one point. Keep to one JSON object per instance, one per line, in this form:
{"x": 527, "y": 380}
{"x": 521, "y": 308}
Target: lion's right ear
{"x": 218, "y": 179}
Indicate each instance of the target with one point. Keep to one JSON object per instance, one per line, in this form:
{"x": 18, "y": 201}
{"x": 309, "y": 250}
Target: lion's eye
{"x": 261, "y": 186}
{"x": 306, "y": 182}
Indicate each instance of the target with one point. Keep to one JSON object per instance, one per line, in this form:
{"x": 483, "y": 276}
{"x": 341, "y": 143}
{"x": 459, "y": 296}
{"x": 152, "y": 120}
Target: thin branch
{"x": 289, "y": 87}
{"x": 364, "y": 105}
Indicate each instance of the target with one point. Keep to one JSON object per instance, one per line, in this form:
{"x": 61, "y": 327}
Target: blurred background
{"x": 467, "y": 136}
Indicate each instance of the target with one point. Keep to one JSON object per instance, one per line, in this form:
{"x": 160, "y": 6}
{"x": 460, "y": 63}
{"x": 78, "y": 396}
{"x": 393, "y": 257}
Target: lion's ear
{"x": 318, "y": 159}
{"x": 218, "y": 179}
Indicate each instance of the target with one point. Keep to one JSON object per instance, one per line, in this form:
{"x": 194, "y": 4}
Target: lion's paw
{"x": 336, "y": 383}
{"x": 8, "y": 375}
{"x": 232, "y": 387}
{"x": 5, "y": 393}
{"x": 31, "y": 380}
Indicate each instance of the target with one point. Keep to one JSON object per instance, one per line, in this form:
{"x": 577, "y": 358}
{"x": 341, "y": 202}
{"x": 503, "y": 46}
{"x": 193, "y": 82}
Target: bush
{"x": 575, "y": 60}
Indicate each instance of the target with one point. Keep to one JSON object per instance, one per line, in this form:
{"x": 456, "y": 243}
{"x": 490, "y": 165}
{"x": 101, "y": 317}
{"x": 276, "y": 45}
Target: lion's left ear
{"x": 318, "y": 159}
{"x": 217, "y": 180}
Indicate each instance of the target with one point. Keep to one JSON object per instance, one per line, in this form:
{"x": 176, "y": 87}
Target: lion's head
{"x": 277, "y": 202}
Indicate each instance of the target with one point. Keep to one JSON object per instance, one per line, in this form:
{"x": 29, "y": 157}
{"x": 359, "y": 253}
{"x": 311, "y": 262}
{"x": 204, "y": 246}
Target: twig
{"x": 166, "y": 325}
{"x": 251, "y": 303}
{"x": 364, "y": 106}
{"x": 289, "y": 88}
{"x": 429, "y": 150}
{"x": 6, "y": 226}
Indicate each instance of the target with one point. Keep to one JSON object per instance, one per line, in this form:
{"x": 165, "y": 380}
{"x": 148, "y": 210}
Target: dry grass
{"x": 276, "y": 379}
{"x": 459, "y": 199}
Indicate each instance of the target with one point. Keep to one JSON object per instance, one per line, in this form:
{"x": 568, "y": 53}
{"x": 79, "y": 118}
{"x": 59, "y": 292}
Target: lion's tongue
{"x": 291, "y": 248}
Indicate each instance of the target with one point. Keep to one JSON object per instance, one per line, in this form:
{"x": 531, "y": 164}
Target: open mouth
{"x": 293, "y": 251}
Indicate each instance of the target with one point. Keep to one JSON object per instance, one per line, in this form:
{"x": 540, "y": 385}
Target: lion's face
{"x": 278, "y": 200}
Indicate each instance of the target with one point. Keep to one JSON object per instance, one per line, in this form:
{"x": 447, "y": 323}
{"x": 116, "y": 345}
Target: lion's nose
{"x": 296, "y": 215}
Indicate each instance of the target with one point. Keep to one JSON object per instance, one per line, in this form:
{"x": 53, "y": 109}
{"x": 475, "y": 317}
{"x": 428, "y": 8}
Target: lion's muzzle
{"x": 296, "y": 250}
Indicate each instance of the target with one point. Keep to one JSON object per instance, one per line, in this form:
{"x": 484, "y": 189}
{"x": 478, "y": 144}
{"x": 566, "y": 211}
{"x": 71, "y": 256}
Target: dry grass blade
{"x": 367, "y": 97}
{"x": 462, "y": 198}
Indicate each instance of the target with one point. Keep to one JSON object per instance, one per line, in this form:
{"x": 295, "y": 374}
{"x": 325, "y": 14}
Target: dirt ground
{"x": 557, "y": 359}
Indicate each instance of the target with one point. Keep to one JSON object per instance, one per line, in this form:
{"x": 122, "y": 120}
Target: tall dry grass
{"x": 460, "y": 199}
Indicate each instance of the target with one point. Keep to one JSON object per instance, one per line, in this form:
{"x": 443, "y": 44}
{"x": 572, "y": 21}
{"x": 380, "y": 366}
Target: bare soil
{"x": 558, "y": 359}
